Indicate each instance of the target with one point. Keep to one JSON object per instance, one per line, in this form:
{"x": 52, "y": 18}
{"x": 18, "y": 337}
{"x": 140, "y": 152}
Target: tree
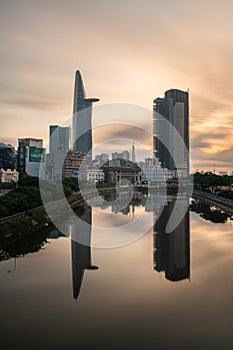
{"x": 7, "y": 157}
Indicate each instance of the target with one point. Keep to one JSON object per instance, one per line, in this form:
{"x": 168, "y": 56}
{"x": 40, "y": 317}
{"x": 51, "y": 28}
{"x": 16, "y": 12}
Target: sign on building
{"x": 36, "y": 154}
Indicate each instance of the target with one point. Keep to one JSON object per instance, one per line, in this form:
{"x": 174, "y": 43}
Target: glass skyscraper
{"x": 82, "y": 119}
{"x": 59, "y": 138}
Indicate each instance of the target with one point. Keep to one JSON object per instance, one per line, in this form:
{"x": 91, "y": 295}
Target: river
{"x": 136, "y": 287}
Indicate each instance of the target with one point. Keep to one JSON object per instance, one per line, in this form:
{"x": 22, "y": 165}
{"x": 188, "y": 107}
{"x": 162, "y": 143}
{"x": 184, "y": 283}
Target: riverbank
{"x": 22, "y": 224}
{"x": 223, "y": 203}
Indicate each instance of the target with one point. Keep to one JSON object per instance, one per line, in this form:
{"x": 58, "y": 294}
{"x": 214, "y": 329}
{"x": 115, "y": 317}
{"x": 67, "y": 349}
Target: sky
{"x": 128, "y": 51}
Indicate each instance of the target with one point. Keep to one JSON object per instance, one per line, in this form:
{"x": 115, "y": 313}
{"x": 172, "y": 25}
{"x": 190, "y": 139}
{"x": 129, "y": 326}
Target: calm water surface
{"x": 162, "y": 291}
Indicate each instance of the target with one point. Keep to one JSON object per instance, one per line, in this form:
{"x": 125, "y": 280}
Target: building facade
{"x": 65, "y": 165}
{"x": 153, "y": 173}
{"x": 82, "y": 119}
{"x": 9, "y": 175}
{"x": 75, "y": 166}
{"x": 117, "y": 158}
{"x": 126, "y": 171}
{"x": 30, "y": 156}
{"x": 173, "y": 108}
{"x": 95, "y": 175}
{"x": 59, "y": 137}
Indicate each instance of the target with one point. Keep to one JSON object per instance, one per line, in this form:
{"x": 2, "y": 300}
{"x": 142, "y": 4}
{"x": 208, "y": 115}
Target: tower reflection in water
{"x": 80, "y": 253}
{"x": 172, "y": 250}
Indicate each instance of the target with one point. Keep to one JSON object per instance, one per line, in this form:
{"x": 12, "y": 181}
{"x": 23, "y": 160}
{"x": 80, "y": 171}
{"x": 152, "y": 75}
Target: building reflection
{"x": 172, "y": 250}
{"x": 81, "y": 253}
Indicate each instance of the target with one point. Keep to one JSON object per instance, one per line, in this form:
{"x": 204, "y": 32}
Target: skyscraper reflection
{"x": 81, "y": 253}
{"x": 172, "y": 250}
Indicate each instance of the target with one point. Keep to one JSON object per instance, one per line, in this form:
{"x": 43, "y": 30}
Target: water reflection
{"x": 29, "y": 244}
{"x": 172, "y": 250}
{"x": 209, "y": 212}
{"x": 125, "y": 304}
{"x": 81, "y": 254}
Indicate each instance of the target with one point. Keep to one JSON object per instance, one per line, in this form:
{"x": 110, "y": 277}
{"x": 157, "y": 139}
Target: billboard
{"x": 36, "y": 154}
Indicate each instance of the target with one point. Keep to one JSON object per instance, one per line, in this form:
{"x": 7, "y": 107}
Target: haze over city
{"x": 128, "y": 52}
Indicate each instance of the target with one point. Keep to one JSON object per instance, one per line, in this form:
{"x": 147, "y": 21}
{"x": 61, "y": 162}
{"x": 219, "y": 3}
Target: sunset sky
{"x": 128, "y": 51}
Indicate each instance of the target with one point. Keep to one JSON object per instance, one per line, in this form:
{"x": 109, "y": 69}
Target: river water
{"x": 136, "y": 290}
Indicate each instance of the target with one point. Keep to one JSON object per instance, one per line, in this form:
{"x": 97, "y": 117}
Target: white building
{"x": 152, "y": 172}
{"x": 95, "y": 175}
{"x": 9, "y": 175}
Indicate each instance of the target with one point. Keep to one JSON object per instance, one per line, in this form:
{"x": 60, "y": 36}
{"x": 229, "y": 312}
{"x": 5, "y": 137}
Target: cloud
{"x": 28, "y": 98}
{"x": 125, "y": 132}
{"x": 157, "y": 46}
{"x": 32, "y": 103}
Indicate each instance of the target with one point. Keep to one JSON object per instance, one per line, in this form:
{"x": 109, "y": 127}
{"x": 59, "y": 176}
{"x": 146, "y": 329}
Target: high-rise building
{"x": 133, "y": 153}
{"x": 82, "y": 119}
{"x": 59, "y": 138}
{"x": 30, "y": 155}
{"x": 174, "y": 108}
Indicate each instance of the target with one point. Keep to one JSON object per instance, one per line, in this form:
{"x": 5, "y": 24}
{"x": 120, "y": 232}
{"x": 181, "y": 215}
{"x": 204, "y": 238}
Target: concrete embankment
{"x": 223, "y": 203}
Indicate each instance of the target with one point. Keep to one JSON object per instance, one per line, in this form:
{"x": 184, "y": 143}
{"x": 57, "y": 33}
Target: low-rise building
{"x": 127, "y": 171}
{"x": 153, "y": 173}
{"x": 75, "y": 165}
{"x": 9, "y": 175}
{"x": 95, "y": 175}
{"x": 60, "y": 164}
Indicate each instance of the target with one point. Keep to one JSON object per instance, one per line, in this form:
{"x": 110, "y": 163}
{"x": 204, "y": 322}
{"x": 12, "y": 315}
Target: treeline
{"x": 27, "y": 195}
{"x": 211, "y": 183}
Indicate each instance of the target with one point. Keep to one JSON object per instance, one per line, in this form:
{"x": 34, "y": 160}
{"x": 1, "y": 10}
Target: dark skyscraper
{"x": 174, "y": 107}
{"x": 82, "y": 122}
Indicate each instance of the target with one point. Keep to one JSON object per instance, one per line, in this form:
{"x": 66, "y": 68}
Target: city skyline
{"x": 172, "y": 45}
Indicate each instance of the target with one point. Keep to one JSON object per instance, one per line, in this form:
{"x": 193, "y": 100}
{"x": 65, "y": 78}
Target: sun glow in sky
{"x": 128, "y": 51}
